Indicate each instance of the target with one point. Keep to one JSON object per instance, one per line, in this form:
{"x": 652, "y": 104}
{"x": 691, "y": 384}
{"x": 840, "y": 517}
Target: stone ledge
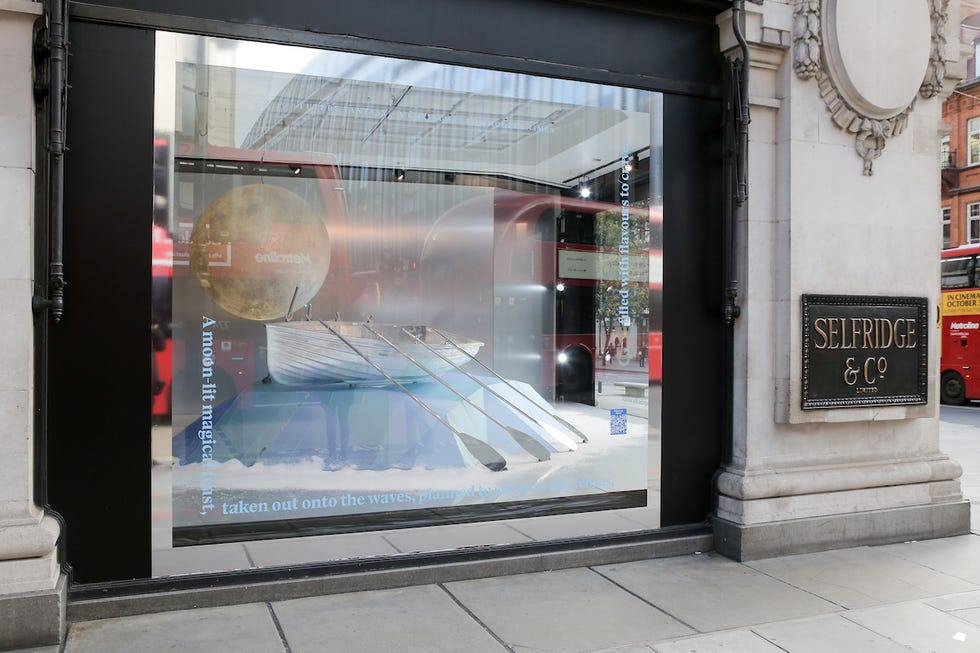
{"x": 22, "y": 7}
{"x": 232, "y": 594}
{"x": 804, "y": 506}
{"x": 744, "y": 543}
{"x": 770, "y": 25}
{"x": 33, "y": 619}
{"x": 745, "y": 485}
{"x": 18, "y": 540}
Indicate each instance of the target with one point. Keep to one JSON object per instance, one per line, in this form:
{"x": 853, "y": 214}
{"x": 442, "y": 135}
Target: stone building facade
{"x": 843, "y": 150}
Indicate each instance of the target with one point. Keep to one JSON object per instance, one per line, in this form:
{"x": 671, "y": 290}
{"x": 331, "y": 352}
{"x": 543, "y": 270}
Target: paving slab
{"x": 647, "y": 517}
{"x": 629, "y": 648}
{"x": 861, "y": 577}
{"x": 963, "y": 601}
{"x": 920, "y": 626}
{"x": 323, "y": 548}
{"x": 557, "y": 527}
{"x": 953, "y": 556}
{"x": 958, "y": 438}
{"x": 569, "y": 611}
{"x": 198, "y": 559}
{"x": 972, "y": 615}
{"x": 243, "y": 628}
{"x": 710, "y": 592}
{"x": 742, "y": 641}
{"x": 424, "y": 619}
{"x": 441, "y": 538}
{"x": 828, "y": 633}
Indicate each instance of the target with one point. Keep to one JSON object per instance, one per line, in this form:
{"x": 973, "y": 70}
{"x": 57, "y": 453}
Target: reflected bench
{"x": 633, "y": 389}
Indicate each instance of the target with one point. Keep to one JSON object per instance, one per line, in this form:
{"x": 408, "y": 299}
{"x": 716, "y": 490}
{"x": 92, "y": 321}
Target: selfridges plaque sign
{"x": 864, "y": 351}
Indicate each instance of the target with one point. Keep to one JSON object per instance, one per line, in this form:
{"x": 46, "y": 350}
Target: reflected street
{"x": 959, "y": 438}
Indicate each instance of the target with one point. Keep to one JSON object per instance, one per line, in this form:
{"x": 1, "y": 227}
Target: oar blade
{"x": 529, "y": 443}
{"x": 570, "y": 427}
{"x": 483, "y": 452}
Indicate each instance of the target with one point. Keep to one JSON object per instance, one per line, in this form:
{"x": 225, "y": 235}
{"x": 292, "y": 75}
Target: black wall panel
{"x": 675, "y": 53}
{"x": 694, "y": 363}
{"x": 99, "y": 421}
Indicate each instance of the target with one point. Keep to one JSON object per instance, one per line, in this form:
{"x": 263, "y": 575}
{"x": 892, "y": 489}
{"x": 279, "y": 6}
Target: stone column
{"x": 830, "y": 212}
{"x": 32, "y": 587}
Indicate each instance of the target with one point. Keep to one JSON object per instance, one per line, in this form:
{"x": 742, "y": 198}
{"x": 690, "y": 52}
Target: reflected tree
{"x": 623, "y": 284}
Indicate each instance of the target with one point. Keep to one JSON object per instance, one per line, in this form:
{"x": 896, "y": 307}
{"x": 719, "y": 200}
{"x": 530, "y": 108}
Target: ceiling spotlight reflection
{"x": 560, "y": 287}
{"x": 563, "y": 358}
{"x": 585, "y": 192}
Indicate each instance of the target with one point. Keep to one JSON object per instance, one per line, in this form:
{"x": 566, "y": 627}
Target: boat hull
{"x": 305, "y": 352}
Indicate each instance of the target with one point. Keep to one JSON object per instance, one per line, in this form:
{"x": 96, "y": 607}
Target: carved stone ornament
{"x": 806, "y": 38}
{"x": 871, "y": 58}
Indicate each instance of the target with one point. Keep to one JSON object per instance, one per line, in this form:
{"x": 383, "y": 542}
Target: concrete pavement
{"x": 916, "y": 596}
{"x": 959, "y": 435}
{"x": 910, "y": 597}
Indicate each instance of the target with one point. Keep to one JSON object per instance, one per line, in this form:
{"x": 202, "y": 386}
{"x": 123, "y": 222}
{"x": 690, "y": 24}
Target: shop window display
{"x": 392, "y": 293}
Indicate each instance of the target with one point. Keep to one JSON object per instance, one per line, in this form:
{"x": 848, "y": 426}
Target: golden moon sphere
{"x": 257, "y": 245}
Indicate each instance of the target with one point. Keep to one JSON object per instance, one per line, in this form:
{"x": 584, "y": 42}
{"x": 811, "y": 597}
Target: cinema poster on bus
{"x": 960, "y": 302}
{"x": 364, "y": 312}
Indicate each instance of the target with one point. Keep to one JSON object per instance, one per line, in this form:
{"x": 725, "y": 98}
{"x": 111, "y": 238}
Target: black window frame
{"x": 101, "y": 485}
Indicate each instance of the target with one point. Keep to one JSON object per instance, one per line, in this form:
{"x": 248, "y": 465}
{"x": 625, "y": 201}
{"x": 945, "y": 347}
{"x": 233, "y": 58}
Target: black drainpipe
{"x": 52, "y": 45}
{"x": 736, "y": 130}
{"x": 739, "y": 157}
{"x": 59, "y": 85}
{"x": 50, "y": 91}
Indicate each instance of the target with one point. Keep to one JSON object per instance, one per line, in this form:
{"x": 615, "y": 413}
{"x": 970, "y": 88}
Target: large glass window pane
{"x": 973, "y": 222}
{"x": 956, "y": 272}
{"x": 393, "y": 293}
{"x": 946, "y": 227}
{"x": 973, "y": 138}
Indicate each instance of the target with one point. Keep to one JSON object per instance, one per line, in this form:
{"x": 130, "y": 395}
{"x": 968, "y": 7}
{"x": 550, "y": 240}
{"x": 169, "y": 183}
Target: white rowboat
{"x": 304, "y": 352}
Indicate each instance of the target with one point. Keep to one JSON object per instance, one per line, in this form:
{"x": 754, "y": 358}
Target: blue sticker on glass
{"x": 617, "y": 421}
